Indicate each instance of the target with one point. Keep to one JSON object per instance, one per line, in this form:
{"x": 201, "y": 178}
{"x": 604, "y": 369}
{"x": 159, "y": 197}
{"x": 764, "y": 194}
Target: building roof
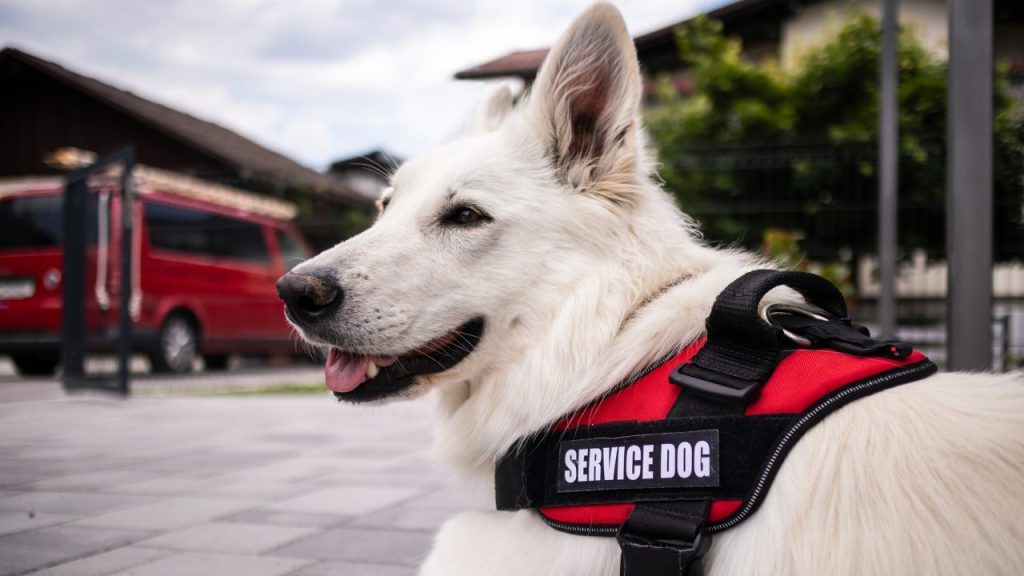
{"x": 148, "y": 180}
{"x": 524, "y": 64}
{"x": 228, "y": 146}
{"x": 375, "y": 161}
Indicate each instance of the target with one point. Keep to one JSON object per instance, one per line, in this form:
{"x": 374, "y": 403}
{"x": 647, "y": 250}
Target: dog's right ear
{"x": 489, "y": 114}
{"x": 585, "y": 104}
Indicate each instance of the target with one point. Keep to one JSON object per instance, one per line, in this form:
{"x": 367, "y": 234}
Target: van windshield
{"x": 38, "y": 222}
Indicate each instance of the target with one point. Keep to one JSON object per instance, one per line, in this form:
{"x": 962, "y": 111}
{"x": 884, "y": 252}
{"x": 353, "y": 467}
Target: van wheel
{"x": 177, "y": 346}
{"x": 36, "y": 363}
{"x": 215, "y": 361}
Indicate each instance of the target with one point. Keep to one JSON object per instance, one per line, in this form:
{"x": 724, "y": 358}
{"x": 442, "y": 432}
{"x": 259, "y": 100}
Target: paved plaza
{"x": 253, "y": 485}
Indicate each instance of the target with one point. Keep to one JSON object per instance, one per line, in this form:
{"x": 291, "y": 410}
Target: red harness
{"x": 691, "y": 446}
{"x": 798, "y": 382}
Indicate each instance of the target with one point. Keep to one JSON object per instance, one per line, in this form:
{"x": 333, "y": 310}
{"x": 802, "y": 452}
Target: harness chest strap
{"x": 691, "y": 447}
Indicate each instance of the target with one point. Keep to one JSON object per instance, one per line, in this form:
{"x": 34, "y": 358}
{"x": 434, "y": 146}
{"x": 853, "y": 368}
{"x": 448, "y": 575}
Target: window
{"x": 200, "y": 232}
{"x": 293, "y": 252}
{"x": 38, "y": 221}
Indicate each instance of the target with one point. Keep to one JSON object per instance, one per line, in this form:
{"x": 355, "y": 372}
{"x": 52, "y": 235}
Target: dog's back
{"x": 926, "y": 478}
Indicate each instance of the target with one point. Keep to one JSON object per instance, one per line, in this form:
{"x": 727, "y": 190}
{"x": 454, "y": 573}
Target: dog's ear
{"x": 586, "y": 102}
{"x": 490, "y": 113}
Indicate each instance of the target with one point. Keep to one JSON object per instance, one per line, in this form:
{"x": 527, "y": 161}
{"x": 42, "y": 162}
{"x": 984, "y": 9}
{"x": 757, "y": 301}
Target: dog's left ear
{"x": 586, "y": 102}
{"x": 490, "y": 113}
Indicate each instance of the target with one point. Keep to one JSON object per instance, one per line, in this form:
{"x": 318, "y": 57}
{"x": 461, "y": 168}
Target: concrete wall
{"x": 919, "y": 278}
{"x": 817, "y": 21}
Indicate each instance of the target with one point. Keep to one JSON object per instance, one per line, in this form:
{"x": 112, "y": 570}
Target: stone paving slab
{"x": 221, "y": 485}
{"x": 405, "y": 518}
{"x": 14, "y": 522}
{"x": 344, "y": 500}
{"x": 232, "y": 538}
{"x": 106, "y": 562}
{"x": 77, "y": 504}
{"x": 43, "y": 547}
{"x": 288, "y": 519}
{"x": 169, "y": 514}
{"x": 216, "y": 564}
{"x": 368, "y": 546}
{"x": 352, "y": 569}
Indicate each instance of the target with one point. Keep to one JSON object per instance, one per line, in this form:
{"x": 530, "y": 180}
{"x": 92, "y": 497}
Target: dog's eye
{"x": 464, "y": 216}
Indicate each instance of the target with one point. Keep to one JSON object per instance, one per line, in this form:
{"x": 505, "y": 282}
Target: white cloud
{"x": 314, "y": 79}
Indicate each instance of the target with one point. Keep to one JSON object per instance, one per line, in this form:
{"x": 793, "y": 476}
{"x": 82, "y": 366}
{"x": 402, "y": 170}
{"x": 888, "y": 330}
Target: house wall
{"x": 816, "y": 21}
{"x": 928, "y": 19}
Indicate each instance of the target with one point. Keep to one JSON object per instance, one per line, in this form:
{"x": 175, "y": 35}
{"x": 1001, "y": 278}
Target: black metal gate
{"x": 74, "y": 329}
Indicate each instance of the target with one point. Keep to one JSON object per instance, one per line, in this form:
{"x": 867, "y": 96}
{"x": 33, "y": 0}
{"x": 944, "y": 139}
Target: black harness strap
{"x": 664, "y": 538}
{"x": 742, "y": 350}
{"x": 725, "y": 376}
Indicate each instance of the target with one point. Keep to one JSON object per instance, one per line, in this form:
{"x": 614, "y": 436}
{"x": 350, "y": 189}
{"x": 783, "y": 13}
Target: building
{"x": 783, "y": 30}
{"x": 367, "y": 173}
{"x": 45, "y": 107}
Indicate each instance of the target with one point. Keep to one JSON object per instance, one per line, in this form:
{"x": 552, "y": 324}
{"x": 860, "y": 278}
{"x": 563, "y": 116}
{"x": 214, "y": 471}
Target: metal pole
{"x": 969, "y": 185}
{"x": 72, "y": 337}
{"x": 124, "y": 331}
{"x": 888, "y": 175}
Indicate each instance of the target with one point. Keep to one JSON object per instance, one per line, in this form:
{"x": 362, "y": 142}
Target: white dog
{"x": 529, "y": 265}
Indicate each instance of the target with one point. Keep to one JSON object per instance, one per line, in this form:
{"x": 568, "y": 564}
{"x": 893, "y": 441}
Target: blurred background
{"x": 274, "y": 127}
{"x": 162, "y": 163}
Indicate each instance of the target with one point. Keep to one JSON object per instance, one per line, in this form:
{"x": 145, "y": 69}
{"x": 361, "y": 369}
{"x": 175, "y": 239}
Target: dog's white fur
{"x": 927, "y": 478}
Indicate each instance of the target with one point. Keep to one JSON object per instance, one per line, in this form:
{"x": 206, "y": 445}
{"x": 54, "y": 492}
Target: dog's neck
{"x": 613, "y": 321}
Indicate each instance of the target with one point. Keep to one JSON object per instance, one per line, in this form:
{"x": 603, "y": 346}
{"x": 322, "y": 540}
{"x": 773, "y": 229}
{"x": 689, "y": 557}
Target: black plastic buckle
{"x": 736, "y": 392}
{"x": 650, "y": 557}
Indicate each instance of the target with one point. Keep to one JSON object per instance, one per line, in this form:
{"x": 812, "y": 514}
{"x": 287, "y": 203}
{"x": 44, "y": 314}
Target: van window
{"x": 200, "y": 232}
{"x": 38, "y": 221}
{"x": 293, "y": 252}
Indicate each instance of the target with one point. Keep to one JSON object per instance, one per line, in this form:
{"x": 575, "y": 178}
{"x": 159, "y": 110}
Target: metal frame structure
{"x": 970, "y": 188}
{"x": 73, "y": 333}
{"x": 888, "y": 174}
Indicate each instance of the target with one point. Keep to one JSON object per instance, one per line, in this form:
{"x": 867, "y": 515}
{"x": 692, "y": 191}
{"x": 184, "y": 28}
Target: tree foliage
{"x": 760, "y": 147}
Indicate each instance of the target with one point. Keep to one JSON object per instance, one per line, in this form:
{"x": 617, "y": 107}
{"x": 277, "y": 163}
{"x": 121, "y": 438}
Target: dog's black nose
{"x": 309, "y": 296}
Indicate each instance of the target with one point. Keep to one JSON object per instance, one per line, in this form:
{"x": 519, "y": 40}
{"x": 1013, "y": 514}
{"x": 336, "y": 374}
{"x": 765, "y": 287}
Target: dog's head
{"x": 482, "y": 235}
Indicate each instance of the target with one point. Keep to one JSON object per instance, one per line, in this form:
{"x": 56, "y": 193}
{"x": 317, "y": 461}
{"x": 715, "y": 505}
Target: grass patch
{"x": 280, "y": 389}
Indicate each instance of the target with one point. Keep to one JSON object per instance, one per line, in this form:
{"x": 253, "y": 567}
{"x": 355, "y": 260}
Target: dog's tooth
{"x": 372, "y": 370}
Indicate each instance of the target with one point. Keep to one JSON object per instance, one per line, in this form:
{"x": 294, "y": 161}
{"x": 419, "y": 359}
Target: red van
{"x": 205, "y": 261}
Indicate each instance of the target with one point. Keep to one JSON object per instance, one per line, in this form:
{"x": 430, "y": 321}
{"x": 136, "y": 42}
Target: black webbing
{"x": 842, "y": 336}
{"x": 664, "y": 538}
{"x": 742, "y": 349}
{"x": 723, "y": 378}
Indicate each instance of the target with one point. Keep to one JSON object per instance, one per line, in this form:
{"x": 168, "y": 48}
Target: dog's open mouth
{"x": 360, "y": 378}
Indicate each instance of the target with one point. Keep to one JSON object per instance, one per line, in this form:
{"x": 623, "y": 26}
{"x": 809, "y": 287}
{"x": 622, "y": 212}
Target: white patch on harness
{"x": 667, "y": 460}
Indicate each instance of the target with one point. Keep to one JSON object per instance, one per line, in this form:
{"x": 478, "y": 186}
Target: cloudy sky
{"x": 315, "y": 79}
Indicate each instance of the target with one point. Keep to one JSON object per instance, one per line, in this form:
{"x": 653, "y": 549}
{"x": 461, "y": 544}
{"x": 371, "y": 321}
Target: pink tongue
{"x": 344, "y": 372}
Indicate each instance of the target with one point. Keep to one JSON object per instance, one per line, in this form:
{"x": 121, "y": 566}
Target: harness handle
{"x": 734, "y": 317}
{"x": 743, "y": 349}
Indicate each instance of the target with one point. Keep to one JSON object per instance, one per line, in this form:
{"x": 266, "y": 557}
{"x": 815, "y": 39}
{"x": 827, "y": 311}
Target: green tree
{"x": 758, "y": 147}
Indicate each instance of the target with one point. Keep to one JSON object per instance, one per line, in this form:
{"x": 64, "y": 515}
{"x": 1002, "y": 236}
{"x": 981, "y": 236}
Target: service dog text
{"x": 676, "y": 459}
